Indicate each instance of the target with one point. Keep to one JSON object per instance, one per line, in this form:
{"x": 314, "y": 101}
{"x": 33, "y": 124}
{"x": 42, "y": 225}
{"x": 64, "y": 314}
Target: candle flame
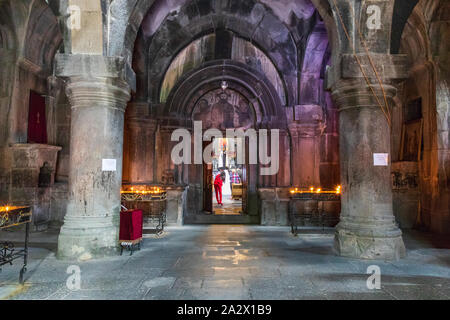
{"x": 143, "y": 190}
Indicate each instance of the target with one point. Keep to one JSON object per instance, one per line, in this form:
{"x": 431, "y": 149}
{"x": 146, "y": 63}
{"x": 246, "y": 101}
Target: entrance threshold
{"x": 221, "y": 219}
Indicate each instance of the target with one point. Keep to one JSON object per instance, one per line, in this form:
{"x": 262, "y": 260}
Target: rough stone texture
{"x": 139, "y": 145}
{"x": 185, "y": 26}
{"x": 300, "y": 46}
{"x": 20, "y": 167}
{"x": 425, "y": 41}
{"x": 175, "y": 206}
{"x": 367, "y": 227}
{"x": 406, "y": 194}
{"x": 234, "y": 262}
{"x": 331, "y": 209}
{"x": 91, "y": 224}
{"x": 274, "y": 206}
{"x": 305, "y": 134}
{"x": 58, "y": 205}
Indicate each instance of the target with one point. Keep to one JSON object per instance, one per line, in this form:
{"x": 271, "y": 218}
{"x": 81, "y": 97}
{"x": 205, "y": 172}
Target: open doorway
{"x": 225, "y": 180}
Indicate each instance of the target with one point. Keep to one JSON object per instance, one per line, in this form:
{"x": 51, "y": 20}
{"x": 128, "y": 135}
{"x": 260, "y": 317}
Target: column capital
{"x": 83, "y": 66}
{"x": 389, "y": 67}
{"x": 85, "y": 93}
{"x": 95, "y": 80}
{"x": 356, "y": 93}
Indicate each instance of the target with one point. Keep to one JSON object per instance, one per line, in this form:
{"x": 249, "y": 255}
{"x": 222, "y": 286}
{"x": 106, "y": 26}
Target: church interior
{"x": 349, "y": 101}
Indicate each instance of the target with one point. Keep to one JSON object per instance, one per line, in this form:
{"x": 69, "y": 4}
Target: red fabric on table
{"x": 131, "y": 223}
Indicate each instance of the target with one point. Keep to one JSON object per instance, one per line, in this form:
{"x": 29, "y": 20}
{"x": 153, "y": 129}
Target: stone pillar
{"x": 98, "y": 93}
{"x": 367, "y": 227}
{"x": 305, "y": 132}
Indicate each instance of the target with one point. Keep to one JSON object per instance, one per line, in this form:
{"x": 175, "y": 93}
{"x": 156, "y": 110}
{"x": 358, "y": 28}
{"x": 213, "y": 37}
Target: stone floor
{"x": 230, "y": 206}
{"x": 236, "y": 262}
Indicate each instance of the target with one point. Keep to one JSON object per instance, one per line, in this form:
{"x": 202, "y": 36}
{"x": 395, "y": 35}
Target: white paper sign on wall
{"x": 381, "y": 159}
{"x": 109, "y": 165}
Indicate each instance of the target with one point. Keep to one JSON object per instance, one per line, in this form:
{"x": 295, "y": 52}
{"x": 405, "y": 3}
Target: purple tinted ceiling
{"x": 283, "y": 9}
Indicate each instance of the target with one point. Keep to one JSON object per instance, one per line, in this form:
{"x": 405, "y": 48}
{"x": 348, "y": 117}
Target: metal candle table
{"x": 152, "y": 202}
{"x": 10, "y": 217}
{"x": 305, "y": 208}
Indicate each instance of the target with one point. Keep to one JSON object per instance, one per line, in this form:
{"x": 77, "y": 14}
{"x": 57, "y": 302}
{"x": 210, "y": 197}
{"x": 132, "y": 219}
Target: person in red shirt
{"x": 218, "y": 183}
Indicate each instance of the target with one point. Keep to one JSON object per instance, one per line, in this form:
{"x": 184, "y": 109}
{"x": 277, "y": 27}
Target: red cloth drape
{"x": 37, "y": 124}
{"x": 131, "y": 223}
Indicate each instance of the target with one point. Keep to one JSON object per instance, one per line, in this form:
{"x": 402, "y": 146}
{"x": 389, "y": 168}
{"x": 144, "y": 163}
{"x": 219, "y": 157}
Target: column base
{"x": 86, "y": 238}
{"x": 360, "y": 245}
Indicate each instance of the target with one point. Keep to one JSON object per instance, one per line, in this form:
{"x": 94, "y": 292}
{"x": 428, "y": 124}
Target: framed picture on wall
{"x": 411, "y": 145}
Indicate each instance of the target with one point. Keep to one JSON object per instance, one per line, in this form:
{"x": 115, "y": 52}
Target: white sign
{"x": 109, "y": 165}
{"x": 381, "y": 159}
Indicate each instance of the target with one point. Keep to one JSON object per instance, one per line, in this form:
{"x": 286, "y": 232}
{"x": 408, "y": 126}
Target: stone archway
{"x": 177, "y": 113}
{"x": 368, "y": 229}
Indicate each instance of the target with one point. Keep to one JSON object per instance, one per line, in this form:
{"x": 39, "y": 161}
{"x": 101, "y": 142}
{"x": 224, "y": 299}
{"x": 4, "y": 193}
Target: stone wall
{"x": 425, "y": 41}
{"x": 21, "y": 166}
{"x": 406, "y": 194}
{"x": 274, "y": 206}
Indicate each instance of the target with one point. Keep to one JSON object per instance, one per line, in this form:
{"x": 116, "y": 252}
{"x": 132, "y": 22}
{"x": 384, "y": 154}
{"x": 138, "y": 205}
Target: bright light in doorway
{"x": 224, "y": 85}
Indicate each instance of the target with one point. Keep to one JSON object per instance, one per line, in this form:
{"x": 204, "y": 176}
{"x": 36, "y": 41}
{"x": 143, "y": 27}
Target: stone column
{"x": 98, "y": 93}
{"x": 367, "y": 227}
{"x": 305, "y": 132}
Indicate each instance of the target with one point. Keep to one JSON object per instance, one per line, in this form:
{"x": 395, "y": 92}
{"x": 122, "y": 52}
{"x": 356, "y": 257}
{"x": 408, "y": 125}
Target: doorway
{"x": 229, "y": 200}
